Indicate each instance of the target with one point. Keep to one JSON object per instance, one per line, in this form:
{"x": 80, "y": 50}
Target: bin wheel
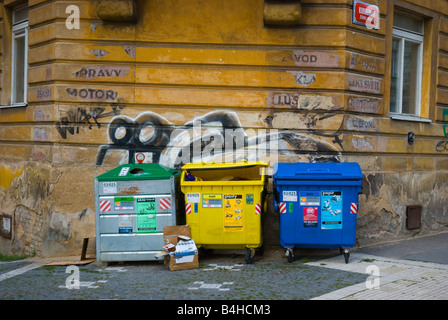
{"x": 289, "y": 255}
{"x": 250, "y": 252}
{"x": 346, "y": 255}
{"x": 260, "y": 250}
{"x": 204, "y": 252}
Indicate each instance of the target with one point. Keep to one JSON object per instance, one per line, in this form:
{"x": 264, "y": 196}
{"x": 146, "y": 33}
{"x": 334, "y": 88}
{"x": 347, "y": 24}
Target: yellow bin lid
{"x": 241, "y": 173}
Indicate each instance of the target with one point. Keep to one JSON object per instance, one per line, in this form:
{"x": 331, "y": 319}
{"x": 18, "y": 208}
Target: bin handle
{"x": 316, "y": 170}
{"x": 319, "y": 170}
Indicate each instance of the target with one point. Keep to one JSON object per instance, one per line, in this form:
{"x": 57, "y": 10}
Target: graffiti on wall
{"x": 364, "y": 105}
{"x": 90, "y": 94}
{"x": 217, "y": 135}
{"x": 445, "y": 118}
{"x": 93, "y": 72}
{"x": 295, "y": 100}
{"x": 74, "y": 119}
{"x": 442, "y": 146}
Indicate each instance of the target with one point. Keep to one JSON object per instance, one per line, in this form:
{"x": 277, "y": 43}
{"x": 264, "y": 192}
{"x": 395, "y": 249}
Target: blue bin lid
{"x": 318, "y": 171}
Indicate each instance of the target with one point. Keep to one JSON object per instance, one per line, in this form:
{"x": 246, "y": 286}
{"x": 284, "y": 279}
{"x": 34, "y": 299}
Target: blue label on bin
{"x": 331, "y": 209}
{"x": 124, "y": 229}
{"x": 310, "y": 198}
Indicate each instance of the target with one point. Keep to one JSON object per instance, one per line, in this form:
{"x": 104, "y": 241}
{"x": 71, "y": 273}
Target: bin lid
{"x": 139, "y": 171}
{"x": 318, "y": 171}
{"x": 224, "y": 174}
{"x": 213, "y": 165}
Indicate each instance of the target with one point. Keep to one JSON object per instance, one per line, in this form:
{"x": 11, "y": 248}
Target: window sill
{"x": 15, "y": 105}
{"x": 404, "y": 117}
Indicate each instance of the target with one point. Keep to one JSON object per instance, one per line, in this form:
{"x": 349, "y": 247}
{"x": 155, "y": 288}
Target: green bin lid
{"x": 143, "y": 171}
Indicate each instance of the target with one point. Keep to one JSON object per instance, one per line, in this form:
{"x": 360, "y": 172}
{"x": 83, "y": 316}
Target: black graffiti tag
{"x": 80, "y": 116}
{"x": 442, "y": 146}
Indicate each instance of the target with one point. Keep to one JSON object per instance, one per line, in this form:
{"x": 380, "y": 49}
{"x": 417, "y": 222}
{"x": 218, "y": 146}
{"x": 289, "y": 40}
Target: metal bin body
{"x": 133, "y": 203}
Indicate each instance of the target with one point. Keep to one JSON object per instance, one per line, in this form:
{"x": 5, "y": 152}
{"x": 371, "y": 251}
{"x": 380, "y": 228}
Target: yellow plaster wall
{"x": 324, "y": 83}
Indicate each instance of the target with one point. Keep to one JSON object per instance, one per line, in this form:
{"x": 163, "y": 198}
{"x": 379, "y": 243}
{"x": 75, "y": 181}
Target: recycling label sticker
{"x": 233, "y": 212}
{"x": 331, "y": 209}
{"x": 212, "y": 201}
{"x": 146, "y": 215}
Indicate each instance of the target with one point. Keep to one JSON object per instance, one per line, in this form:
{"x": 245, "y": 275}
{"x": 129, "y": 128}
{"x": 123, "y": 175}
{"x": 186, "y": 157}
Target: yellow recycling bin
{"x": 225, "y": 204}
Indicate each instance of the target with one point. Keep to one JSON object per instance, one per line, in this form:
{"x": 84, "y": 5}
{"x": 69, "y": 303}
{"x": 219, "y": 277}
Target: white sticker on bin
{"x": 123, "y": 171}
{"x": 109, "y": 187}
{"x": 193, "y": 197}
{"x": 290, "y": 195}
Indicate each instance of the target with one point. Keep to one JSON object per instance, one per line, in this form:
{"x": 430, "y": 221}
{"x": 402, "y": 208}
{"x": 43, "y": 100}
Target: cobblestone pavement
{"x": 322, "y": 276}
{"x": 219, "y": 277}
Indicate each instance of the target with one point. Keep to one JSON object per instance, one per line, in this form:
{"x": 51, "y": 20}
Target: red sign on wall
{"x": 366, "y": 14}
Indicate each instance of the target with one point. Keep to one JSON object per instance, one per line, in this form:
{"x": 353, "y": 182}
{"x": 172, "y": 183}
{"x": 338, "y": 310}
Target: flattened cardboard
{"x": 69, "y": 263}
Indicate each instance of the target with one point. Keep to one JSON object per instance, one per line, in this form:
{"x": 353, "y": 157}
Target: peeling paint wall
{"x": 319, "y": 90}
{"x": 26, "y": 200}
{"x": 385, "y": 197}
{"x": 7, "y": 174}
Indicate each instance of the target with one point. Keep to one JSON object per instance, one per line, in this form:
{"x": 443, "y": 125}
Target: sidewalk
{"x": 415, "y": 269}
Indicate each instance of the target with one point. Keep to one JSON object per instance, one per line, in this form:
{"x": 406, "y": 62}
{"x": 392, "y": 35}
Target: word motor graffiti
{"x": 88, "y": 93}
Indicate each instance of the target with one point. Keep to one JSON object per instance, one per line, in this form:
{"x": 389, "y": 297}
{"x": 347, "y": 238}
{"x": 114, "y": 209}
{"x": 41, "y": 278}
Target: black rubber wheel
{"x": 260, "y": 250}
{"x": 249, "y": 257}
{"x": 203, "y": 252}
{"x": 290, "y": 255}
{"x": 346, "y": 256}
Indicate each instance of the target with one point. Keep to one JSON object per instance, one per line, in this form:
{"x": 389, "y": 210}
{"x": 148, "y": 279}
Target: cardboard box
{"x": 172, "y": 233}
{"x": 180, "y": 250}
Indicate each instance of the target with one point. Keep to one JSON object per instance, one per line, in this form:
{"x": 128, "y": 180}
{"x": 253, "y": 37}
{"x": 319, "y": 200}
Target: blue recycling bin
{"x": 318, "y": 205}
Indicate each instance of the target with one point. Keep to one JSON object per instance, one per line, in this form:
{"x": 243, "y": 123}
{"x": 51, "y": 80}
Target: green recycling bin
{"x": 133, "y": 203}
